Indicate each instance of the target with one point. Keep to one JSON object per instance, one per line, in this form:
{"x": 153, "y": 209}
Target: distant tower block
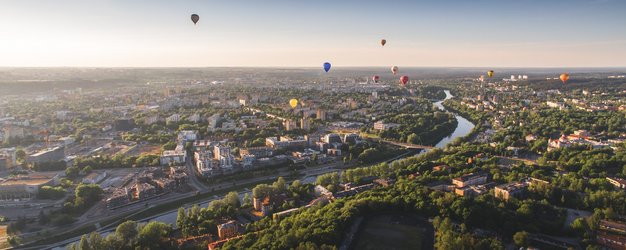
{"x": 305, "y": 124}
{"x": 321, "y": 114}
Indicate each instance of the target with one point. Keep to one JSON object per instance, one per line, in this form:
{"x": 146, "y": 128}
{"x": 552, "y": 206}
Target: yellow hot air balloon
{"x": 490, "y": 73}
{"x": 293, "y": 103}
{"x": 564, "y": 77}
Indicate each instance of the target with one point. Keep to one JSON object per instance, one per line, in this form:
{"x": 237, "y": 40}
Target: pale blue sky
{"x": 159, "y": 33}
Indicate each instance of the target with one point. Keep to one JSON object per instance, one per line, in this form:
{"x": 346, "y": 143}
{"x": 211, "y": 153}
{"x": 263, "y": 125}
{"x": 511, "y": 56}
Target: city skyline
{"x": 580, "y": 33}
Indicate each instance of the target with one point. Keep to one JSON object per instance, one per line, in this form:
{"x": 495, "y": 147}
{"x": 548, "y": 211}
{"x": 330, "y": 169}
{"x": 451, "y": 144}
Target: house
{"x": 514, "y": 189}
{"x": 617, "y": 182}
{"x": 227, "y": 230}
{"x": 143, "y": 191}
{"x": 530, "y": 137}
{"x": 380, "y": 125}
{"x": 441, "y": 168}
{"x": 470, "y": 179}
{"x": 173, "y": 156}
{"x": 474, "y": 190}
{"x": 175, "y": 118}
{"x": 120, "y": 197}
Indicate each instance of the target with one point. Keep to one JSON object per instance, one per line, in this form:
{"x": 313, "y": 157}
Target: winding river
{"x": 463, "y": 128}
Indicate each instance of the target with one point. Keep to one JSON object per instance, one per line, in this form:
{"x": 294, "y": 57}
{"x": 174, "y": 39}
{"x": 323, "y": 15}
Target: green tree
{"x": 521, "y": 239}
{"x": 87, "y": 169}
{"x": 72, "y": 172}
{"x": 126, "y": 232}
{"x": 84, "y": 243}
{"x": 232, "y": 199}
{"x": 181, "y": 221}
{"x": 154, "y": 235}
{"x": 247, "y": 201}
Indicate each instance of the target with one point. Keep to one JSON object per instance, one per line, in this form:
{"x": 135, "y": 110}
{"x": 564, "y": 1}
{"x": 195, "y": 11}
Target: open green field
{"x": 390, "y": 232}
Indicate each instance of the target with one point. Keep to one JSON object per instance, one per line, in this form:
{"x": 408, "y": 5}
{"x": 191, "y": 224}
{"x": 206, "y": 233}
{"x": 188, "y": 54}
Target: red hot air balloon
{"x": 404, "y": 80}
{"x": 375, "y": 78}
{"x": 195, "y": 18}
{"x": 383, "y": 42}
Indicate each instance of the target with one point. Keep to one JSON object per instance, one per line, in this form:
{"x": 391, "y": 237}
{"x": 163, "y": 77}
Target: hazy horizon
{"x": 281, "y": 34}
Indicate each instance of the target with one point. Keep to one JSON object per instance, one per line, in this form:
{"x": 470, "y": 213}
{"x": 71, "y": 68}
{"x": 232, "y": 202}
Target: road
{"x": 308, "y": 173}
{"x": 193, "y": 177}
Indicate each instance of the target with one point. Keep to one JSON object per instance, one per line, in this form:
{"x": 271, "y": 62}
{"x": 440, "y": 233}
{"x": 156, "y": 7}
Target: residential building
{"x": 617, "y": 182}
{"x": 289, "y": 125}
{"x": 13, "y": 132}
{"x": 223, "y": 155}
{"x": 5, "y": 163}
{"x": 120, "y": 197}
{"x": 248, "y": 160}
{"x": 350, "y": 138}
{"x": 321, "y": 114}
{"x": 165, "y": 184}
{"x": 187, "y": 136}
{"x": 10, "y": 156}
{"x": 514, "y": 189}
{"x": 173, "y": 157}
{"x": 143, "y": 191}
{"x": 470, "y": 179}
{"x": 175, "y": 118}
{"x": 331, "y": 138}
{"x": 305, "y": 123}
{"x": 380, "y": 125}
{"x": 204, "y": 163}
{"x": 227, "y": 230}
{"x": 48, "y": 155}
{"x": 194, "y": 118}
{"x": 257, "y": 152}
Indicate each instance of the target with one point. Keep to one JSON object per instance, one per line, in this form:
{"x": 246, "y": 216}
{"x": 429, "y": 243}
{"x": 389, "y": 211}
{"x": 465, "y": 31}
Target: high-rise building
{"x": 289, "y": 125}
{"x": 321, "y": 114}
{"x": 305, "y": 124}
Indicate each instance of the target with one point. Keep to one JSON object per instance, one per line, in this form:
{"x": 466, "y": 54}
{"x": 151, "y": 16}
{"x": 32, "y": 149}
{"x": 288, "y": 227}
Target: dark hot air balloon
{"x": 383, "y": 42}
{"x": 326, "y": 66}
{"x": 195, "y": 18}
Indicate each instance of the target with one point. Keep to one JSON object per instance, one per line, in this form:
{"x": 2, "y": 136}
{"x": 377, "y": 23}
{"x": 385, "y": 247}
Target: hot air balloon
{"x": 195, "y": 18}
{"x": 293, "y": 103}
{"x": 564, "y": 77}
{"x": 404, "y": 80}
{"x": 490, "y": 73}
{"x": 326, "y": 66}
{"x": 383, "y": 42}
{"x": 375, "y": 78}
{"x": 394, "y": 70}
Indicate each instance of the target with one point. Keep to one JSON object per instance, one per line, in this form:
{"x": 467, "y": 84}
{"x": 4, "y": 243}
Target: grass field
{"x": 389, "y": 232}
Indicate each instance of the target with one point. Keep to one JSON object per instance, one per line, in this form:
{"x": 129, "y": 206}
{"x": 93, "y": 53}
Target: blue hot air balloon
{"x": 326, "y": 66}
